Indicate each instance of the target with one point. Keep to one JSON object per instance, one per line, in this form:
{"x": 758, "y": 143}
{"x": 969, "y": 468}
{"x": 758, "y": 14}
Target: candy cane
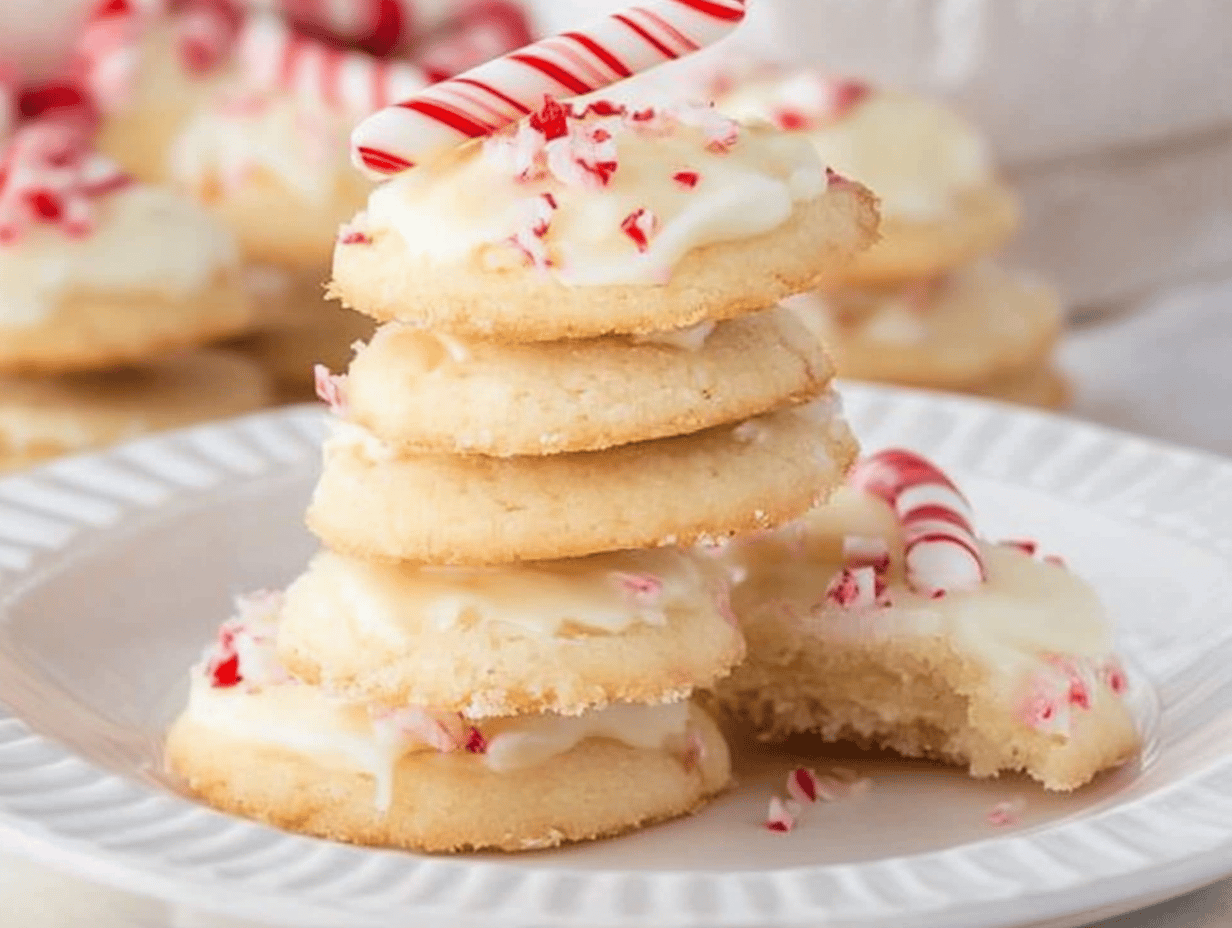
{"x": 939, "y": 545}
{"x": 482, "y": 32}
{"x": 8, "y": 103}
{"x": 377, "y": 26}
{"x": 493, "y": 95}
{"x": 275, "y": 56}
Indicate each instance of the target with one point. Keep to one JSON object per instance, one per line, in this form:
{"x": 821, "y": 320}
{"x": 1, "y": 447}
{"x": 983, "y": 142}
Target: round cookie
{"x": 45, "y": 417}
{"x": 1018, "y": 673}
{"x": 977, "y": 324}
{"x": 941, "y": 202}
{"x": 147, "y": 109}
{"x": 274, "y": 167}
{"x": 453, "y": 801}
{"x": 437, "y": 509}
{"x": 153, "y": 274}
{"x": 423, "y": 392}
{"x": 609, "y": 221}
{"x": 556, "y": 636}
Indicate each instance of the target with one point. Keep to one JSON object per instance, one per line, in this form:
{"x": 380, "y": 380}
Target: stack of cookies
{"x": 925, "y": 306}
{"x": 106, "y": 283}
{"x": 582, "y": 385}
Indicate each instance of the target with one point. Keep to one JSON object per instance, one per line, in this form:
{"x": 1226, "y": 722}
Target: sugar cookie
{"x": 255, "y": 742}
{"x": 373, "y": 503}
{"x": 978, "y": 324}
{"x": 423, "y": 392}
{"x": 1018, "y": 673}
{"x": 614, "y": 221}
{"x": 553, "y": 636}
{"x": 41, "y": 417}
{"x": 151, "y": 272}
{"x": 940, "y": 199}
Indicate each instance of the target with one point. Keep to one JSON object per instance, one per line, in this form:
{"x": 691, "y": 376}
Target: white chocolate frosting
{"x": 1033, "y": 626}
{"x": 240, "y": 689}
{"x": 302, "y": 144}
{"x": 146, "y": 240}
{"x": 605, "y": 594}
{"x": 617, "y": 199}
{"x": 916, "y": 154}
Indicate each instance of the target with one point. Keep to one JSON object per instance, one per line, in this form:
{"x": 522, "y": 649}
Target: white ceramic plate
{"x": 114, "y": 569}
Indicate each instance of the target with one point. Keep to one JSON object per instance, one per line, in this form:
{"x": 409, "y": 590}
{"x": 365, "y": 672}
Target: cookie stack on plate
{"x": 925, "y": 306}
{"x": 581, "y": 387}
{"x": 104, "y": 283}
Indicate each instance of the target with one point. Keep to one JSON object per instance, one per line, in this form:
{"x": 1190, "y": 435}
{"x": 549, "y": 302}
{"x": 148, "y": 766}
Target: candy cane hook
{"x": 493, "y": 95}
{"x": 939, "y": 544}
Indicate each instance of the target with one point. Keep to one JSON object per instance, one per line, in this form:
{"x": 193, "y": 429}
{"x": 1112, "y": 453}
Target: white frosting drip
{"x": 530, "y": 740}
{"x": 307, "y": 721}
{"x": 605, "y": 593}
{"x": 692, "y": 338}
{"x": 302, "y": 144}
{"x": 1027, "y": 612}
{"x": 460, "y": 210}
{"x": 147, "y": 240}
{"x": 915, "y": 154}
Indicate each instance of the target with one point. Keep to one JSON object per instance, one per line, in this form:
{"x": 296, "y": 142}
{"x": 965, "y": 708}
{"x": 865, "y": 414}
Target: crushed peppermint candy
{"x": 802, "y": 785}
{"x": 1006, "y": 813}
{"x": 537, "y": 213}
{"x": 782, "y": 816}
{"x": 687, "y": 179}
{"x": 857, "y": 588}
{"x": 330, "y": 389}
{"x": 350, "y": 236}
{"x": 643, "y": 589}
{"x": 476, "y": 743}
{"x": 862, "y": 551}
{"x": 49, "y": 176}
{"x": 443, "y": 731}
{"x": 640, "y": 225}
{"x": 245, "y": 651}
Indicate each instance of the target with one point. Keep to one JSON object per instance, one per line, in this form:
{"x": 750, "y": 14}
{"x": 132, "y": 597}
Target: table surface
{"x": 1161, "y": 368}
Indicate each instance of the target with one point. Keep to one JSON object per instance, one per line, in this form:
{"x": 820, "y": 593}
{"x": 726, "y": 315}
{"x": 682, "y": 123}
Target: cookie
{"x": 1015, "y": 673}
{"x": 152, "y": 273}
{"x": 274, "y": 168}
{"x": 430, "y": 393}
{"x": 42, "y": 417}
{"x": 576, "y": 226}
{"x": 257, "y": 743}
{"x": 553, "y": 636}
{"x": 941, "y": 201}
{"x": 978, "y": 324}
{"x": 148, "y": 104}
{"x": 438, "y": 509}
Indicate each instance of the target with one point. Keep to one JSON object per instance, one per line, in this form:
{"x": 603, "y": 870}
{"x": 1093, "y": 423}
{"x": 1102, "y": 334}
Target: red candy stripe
{"x": 940, "y": 548}
{"x": 497, "y": 93}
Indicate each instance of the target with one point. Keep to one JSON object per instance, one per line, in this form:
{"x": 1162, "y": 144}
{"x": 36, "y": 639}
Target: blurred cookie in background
{"x": 44, "y": 417}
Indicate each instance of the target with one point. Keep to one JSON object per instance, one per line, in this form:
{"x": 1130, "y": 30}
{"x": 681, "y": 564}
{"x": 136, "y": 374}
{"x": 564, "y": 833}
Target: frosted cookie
{"x": 426, "y": 392}
{"x": 881, "y": 619}
{"x": 975, "y": 325}
{"x": 149, "y": 70}
{"x": 41, "y": 417}
{"x": 553, "y": 636}
{"x": 372, "y": 502}
{"x": 257, "y": 743}
{"x": 274, "y": 167}
{"x": 941, "y": 201}
{"x": 607, "y": 221}
{"x": 96, "y": 270}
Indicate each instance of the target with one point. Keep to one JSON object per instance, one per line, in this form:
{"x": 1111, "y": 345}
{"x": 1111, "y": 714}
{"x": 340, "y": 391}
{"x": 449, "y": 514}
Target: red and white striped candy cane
{"x": 376, "y": 26}
{"x": 939, "y": 544}
{"x": 493, "y": 95}
{"x": 274, "y": 55}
